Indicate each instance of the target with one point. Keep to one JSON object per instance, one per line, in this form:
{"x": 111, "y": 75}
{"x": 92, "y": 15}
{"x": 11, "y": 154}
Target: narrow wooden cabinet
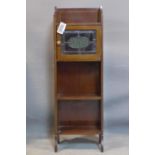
{"x": 78, "y": 73}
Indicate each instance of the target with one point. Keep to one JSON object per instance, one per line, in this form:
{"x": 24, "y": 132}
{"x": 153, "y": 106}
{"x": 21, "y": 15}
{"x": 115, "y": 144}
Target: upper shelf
{"x": 78, "y": 15}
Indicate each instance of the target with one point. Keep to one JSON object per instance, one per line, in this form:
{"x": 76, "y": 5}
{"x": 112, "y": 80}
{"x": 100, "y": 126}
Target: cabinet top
{"x": 78, "y": 15}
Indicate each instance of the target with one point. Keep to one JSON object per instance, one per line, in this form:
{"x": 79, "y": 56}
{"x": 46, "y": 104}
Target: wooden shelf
{"x": 79, "y": 80}
{"x": 78, "y": 15}
{"x": 82, "y": 59}
{"x": 79, "y": 97}
{"x": 75, "y": 24}
{"x": 87, "y": 130}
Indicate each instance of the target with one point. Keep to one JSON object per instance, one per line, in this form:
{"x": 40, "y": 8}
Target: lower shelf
{"x": 59, "y": 97}
{"x": 82, "y": 130}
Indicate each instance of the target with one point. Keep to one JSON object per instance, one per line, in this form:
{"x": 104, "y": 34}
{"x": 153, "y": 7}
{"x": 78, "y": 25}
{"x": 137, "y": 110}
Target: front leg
{"x": 56, "y": 144}
{"x": 58, "y": 138}
{"x": 101, "y": 142}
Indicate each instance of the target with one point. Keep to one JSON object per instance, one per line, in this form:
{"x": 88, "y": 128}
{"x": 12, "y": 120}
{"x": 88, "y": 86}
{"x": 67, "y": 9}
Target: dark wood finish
{"x": 91, "y": 130}
{"x": 81, "y": 57}
{"x": 59, "y": 97}
{"x": 78, "y": 15}
{"x": 79, "y": 78}
{"x": 79, "y": 113}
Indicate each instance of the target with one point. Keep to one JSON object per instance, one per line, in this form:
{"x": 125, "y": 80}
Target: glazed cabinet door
{"x": 79, "y": 43}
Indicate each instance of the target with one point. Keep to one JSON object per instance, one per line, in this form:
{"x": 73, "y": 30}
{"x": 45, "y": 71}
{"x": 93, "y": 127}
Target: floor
{"x": 115, "y": 143}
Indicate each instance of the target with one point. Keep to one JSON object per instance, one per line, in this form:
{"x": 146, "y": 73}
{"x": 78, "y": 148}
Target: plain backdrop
{"x": 40, "y": 65}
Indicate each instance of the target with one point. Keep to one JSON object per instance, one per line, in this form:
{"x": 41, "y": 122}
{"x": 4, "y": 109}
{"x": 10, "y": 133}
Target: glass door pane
{"x": 78, "y": 42}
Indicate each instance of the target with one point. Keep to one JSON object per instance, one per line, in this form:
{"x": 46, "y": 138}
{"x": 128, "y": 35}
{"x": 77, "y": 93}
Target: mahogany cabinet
{"x": 78, "y": 73}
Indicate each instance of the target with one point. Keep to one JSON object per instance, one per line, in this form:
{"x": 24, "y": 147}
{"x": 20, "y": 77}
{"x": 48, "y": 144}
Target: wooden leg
{"x": 101, "y": 142}
{"x": 58, "y": 139}
{"x": 101, "y": 147}
{"x": 56, "y": 144}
